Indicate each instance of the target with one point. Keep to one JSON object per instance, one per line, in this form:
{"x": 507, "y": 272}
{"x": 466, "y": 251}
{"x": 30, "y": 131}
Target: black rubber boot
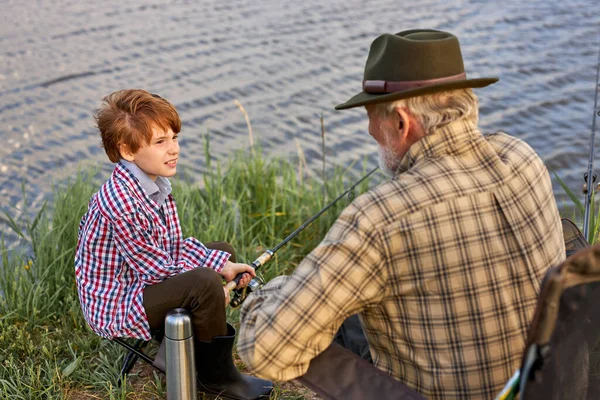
{"x": 218, "y": 375}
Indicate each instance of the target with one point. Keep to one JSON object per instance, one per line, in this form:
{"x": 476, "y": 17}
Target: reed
{"x": 46, "y": 348}
{"x": 577, "y": 212}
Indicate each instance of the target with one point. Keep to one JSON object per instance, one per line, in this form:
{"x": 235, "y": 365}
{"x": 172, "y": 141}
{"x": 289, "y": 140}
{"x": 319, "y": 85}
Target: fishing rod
{"x": 257, "y": 282}
{"x": 590, "y": 177}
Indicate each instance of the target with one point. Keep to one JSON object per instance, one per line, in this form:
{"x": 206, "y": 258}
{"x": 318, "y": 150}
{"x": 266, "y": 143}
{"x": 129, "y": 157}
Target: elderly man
{"x": 443, "y": 262}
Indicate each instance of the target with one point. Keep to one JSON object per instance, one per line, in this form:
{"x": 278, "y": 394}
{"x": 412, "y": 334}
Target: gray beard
{"x": 389, "y": 162}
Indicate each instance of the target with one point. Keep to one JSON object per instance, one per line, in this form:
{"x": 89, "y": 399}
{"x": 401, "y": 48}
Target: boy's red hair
{"x": 129, "y": 116}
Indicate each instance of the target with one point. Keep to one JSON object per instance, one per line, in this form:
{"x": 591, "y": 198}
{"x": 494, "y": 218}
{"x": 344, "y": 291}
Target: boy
{"x": 132, "y": 264}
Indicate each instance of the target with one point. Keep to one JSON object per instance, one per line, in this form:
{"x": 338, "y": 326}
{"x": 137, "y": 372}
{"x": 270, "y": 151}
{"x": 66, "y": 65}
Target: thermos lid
{"x": 178, "y": 324}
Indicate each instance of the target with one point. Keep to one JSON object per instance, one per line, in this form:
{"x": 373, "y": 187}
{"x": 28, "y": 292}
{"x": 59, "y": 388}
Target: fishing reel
{"x": 585, "y": 179}
{"x": 255, "y": 284}
{"x": 241, "y": 294}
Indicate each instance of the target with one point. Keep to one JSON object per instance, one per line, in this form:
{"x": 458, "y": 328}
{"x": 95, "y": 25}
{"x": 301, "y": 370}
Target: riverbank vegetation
{"x": 46, "y": 349}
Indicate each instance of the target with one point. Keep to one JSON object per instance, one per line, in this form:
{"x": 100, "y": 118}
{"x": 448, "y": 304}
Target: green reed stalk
{"x": 594, "y": 223}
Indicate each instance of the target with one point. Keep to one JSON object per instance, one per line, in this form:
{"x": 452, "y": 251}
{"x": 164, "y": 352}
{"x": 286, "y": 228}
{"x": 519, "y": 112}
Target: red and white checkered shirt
{"x": 124, "y": 245}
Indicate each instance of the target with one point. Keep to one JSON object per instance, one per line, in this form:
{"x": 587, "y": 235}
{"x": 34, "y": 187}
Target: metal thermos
{"x": 181, "y": 368}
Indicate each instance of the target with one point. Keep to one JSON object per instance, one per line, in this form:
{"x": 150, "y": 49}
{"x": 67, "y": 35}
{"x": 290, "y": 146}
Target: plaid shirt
{"x": 443, "y": 263}
{"x": 125, "y": 245}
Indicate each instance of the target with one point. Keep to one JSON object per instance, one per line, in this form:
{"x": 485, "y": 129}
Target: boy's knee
{"x": 208, "y": 282}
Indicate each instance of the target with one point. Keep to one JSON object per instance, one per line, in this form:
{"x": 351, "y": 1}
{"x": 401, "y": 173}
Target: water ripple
{"x": 287, "y": 63}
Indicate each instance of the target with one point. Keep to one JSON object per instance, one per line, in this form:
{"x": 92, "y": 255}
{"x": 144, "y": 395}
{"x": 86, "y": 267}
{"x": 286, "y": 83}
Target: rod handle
{"x": 231, "y": 285}
{"x": 259, "y": 262}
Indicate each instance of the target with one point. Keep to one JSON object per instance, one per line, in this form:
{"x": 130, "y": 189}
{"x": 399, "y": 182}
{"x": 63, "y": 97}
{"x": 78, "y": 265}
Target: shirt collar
{"x": 157, "y": 190}
{"x": 445, "y": 140}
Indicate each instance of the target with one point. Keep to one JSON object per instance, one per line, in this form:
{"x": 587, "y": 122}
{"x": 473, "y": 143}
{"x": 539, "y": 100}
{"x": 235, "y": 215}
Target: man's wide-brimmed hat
{"x": 413, "y": 63}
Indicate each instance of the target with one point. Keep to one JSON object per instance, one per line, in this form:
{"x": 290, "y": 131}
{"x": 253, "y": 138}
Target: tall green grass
{"x": 578, "y": 212}
{"x": 253, "y": 202}
{"x": 46, "y": 349}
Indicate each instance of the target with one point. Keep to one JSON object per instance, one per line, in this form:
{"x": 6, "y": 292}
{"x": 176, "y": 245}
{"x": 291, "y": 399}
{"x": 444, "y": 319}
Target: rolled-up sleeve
{"x": 151, "y": 262}
{"x": 197, "y": 254}
{"x": 293, "y": 319}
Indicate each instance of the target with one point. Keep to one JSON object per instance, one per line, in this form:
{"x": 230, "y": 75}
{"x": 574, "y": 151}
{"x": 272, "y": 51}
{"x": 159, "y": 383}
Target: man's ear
{"x": 126, "y": 152}
{"x": 403, "y": 123}
{"x": 408, "y": 126}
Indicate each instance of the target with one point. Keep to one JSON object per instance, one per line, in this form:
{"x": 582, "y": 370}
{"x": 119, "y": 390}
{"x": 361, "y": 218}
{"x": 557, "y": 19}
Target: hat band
{"x": 391, "y": 86}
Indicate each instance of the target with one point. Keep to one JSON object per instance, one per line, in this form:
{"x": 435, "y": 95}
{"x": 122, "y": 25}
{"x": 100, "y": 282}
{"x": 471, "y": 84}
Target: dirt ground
{"x": 143, "y": 379}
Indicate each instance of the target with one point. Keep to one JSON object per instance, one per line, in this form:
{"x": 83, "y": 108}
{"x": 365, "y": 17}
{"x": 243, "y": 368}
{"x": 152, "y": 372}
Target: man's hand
{"x": 230, "y": 270}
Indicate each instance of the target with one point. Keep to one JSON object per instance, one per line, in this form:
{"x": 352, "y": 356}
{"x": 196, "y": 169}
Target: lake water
{"x": 286, "y": 63}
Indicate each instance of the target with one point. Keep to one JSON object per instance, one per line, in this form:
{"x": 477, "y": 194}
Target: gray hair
{"x": 434, "y": 111}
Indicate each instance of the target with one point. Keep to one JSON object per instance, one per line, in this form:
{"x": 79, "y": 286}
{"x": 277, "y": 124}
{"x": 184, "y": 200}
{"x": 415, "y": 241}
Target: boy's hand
{"x": 230, "y": 270}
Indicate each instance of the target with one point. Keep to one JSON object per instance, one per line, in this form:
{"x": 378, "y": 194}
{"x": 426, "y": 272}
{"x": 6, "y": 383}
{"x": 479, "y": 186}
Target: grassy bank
{"x": 46, "y": 349}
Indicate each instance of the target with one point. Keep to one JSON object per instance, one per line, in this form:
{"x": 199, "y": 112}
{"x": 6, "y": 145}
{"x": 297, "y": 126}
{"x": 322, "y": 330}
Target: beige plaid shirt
{"x": 443, "y": 263}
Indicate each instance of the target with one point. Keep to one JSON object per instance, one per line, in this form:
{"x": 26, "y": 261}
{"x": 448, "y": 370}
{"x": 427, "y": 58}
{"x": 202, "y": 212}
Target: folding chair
{"x": 561, "y": 358}
{"x": 136, "y": 352}
{"x": 574, "y": 239}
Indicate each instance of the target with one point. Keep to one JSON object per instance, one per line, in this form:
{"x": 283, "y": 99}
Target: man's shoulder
{"x": 510, "y": 147}
{"x": 521, "y": 158}
{"x": 390, "y": 200}
{"x": 504, "y": 139}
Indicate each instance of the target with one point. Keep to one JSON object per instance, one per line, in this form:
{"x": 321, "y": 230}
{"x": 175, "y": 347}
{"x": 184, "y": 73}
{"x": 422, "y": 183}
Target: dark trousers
{"x": 199, "y": 291}
{"x": 352, "y": 337}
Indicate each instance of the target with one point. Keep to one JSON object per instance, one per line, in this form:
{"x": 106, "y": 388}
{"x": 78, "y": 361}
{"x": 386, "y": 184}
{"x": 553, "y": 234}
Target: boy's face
{"x": 159, "y": 158}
